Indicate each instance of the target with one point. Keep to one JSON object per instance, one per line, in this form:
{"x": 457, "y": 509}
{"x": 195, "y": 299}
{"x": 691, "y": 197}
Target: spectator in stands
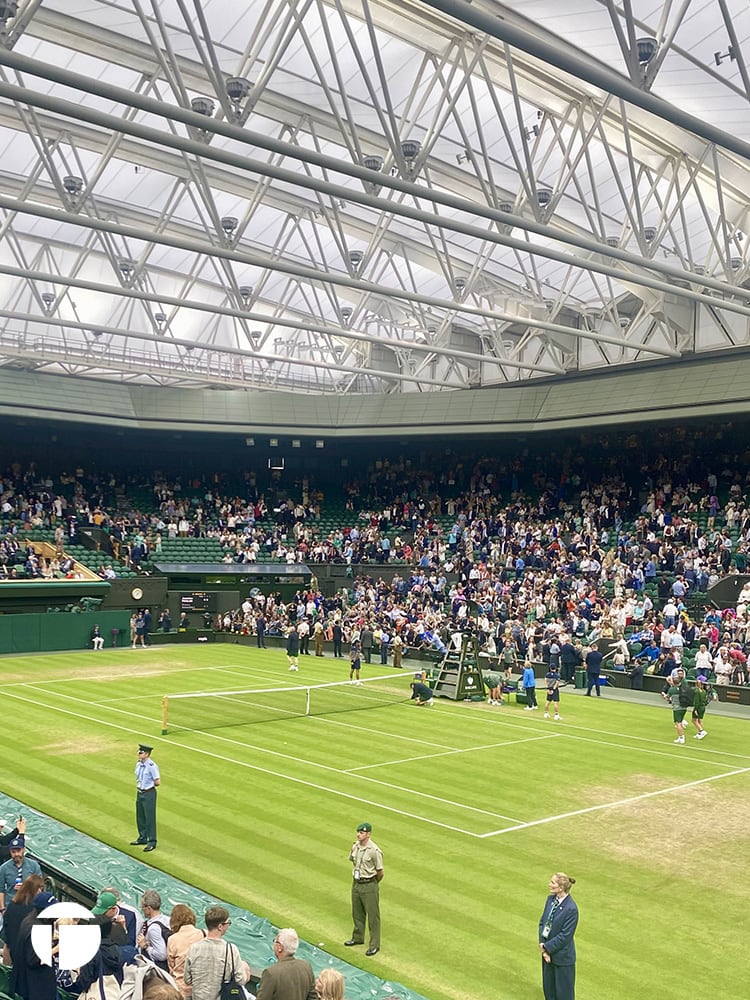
{"x": 124, "y": 920}
{"x": 35, "y": 980}
{"x": 15, "y": 871}
{"x": 290, "y": 978}
{"x": 21, "y": 905}
{"x": 211, "y": 961}
{"x": 723, "y": 668}
{"x": 103, "y": 973}
{"x": 19, "y": 830}
{"x": 157, "y": 989}
{"x": 184, "y": 934}
{"x": 330, "y": 985}
{"x": 165, "y": 621}
{"x": 154, "y": 932}
{"x": 636, "y": 675}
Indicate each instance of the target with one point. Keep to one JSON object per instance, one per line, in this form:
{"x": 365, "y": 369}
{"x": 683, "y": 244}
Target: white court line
{"x": 153, "y": 673}
{"x": 496, "y": 720}
{"x": 613, "y": 805}
{"x": 563, "y": 729}
{"x": 297, "y": 760}
{"x": 447, "y": 753}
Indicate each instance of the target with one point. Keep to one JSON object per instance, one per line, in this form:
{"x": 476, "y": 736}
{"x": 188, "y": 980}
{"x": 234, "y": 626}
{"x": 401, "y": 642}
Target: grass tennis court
{"x": 473, "y": 806}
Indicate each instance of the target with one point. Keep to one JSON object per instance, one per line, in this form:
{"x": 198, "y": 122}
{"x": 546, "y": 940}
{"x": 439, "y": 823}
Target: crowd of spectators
{"x": 519, "y": 548}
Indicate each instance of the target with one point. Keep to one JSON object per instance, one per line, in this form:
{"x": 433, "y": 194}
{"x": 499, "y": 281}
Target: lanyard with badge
{"x": 548, "y": 922}
{"x": 360, "y": 852}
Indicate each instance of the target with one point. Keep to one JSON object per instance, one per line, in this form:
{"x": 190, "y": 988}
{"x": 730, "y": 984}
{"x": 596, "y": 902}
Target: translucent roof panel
{"x": 412, "y": 197}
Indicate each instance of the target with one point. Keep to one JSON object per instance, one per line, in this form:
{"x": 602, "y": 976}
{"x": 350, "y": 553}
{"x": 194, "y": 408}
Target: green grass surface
{"x": 473, "y": 806}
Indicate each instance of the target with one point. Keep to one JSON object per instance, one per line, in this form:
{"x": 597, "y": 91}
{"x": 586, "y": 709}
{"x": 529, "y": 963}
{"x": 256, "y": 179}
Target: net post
{"x": 164, "y": 714}
{"x": 307, "y": 702}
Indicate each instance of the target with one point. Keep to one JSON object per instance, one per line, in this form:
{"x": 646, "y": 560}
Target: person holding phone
{"x": 19, "y": 830}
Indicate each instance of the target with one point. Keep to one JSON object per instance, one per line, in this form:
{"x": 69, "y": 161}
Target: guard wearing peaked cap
{"x": 367, "y": 860}
{"x": 147, "y": 780}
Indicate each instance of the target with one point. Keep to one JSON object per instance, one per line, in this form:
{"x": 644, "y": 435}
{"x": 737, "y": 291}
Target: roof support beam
{"x": 314, "y": 157}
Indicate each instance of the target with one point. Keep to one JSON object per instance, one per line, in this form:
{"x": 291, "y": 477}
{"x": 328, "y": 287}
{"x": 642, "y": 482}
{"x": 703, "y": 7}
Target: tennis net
{"x": 203, "y": 710}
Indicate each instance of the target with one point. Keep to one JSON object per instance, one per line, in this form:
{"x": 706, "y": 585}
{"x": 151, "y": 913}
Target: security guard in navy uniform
{"x": 147, "y": 779}
{"x": 367, "y": 859}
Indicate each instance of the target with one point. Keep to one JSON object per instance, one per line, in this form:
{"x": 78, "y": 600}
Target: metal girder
{"x": 437, "y": 249}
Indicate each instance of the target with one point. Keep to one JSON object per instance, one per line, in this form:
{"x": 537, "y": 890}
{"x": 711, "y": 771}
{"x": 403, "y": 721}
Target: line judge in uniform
{"x": 367, "y": 859}
{"x": 147, "y": 780}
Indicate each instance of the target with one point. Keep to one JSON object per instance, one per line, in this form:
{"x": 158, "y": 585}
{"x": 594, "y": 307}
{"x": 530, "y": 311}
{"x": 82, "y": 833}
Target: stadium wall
{"x": 693, "y": 387}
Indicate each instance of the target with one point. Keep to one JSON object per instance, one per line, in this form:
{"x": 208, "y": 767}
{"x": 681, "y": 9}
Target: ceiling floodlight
{"x": 160, "y": 319}
{"x": 699, "y": 269}
{"x": 646, "y": 48}
{"x": 613, "y": 241}
{"x": 346, "y": 313}
{"x": 505, "y": 206}
{"x": 373, "y": 162}
{"x": 355, "y": 258}
{"x": 96, "y": 333}
{"x": 736, "y": 263}
{"x": 410, "y": 149}
{"x": 543, "y": 197}
{"x": 256, "y": 337}
{"x": 730, "y": 54}
{"x": 229, "y": 224}
{"x": 8, "y": 9}
{"x": 460, "y": 284}
{"x": 48, "y": 298}
{"x": 246, "y": 293}
{"x": 127, "y": 267}
{"x": 649, "y": 234}
{"x": 73, "y": 185}
{"x": 203, "y": 106}
{"x": 237, "y": 88}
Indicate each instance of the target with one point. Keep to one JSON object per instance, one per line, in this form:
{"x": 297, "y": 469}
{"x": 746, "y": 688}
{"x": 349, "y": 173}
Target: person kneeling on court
{"x": 421, "y": 693}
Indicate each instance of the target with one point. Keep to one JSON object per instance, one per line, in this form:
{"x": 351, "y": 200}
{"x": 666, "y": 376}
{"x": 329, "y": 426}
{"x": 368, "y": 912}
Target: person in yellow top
{"x": 367, "y": 860}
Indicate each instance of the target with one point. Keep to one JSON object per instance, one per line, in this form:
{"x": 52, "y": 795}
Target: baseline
{"x": 613, "y": 805}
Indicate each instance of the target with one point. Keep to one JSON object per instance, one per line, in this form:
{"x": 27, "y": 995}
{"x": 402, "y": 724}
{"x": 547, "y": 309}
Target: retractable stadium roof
{"x": 370, "y": 196}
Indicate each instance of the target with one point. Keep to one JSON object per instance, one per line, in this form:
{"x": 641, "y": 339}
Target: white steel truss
{"x": 356, "y": 196}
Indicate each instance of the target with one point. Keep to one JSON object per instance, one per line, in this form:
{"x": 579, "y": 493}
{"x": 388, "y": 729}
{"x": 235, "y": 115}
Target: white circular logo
{"x": 78, "y": 943}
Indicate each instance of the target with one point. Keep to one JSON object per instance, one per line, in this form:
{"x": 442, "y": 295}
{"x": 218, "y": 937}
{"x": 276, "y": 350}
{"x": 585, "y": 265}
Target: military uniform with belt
{"x": 367, "y": 859}
{"x": 147, "y": 779}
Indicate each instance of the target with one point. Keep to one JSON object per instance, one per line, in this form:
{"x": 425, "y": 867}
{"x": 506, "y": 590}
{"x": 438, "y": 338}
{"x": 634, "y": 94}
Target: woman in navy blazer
{"x": 557, "y": 926}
